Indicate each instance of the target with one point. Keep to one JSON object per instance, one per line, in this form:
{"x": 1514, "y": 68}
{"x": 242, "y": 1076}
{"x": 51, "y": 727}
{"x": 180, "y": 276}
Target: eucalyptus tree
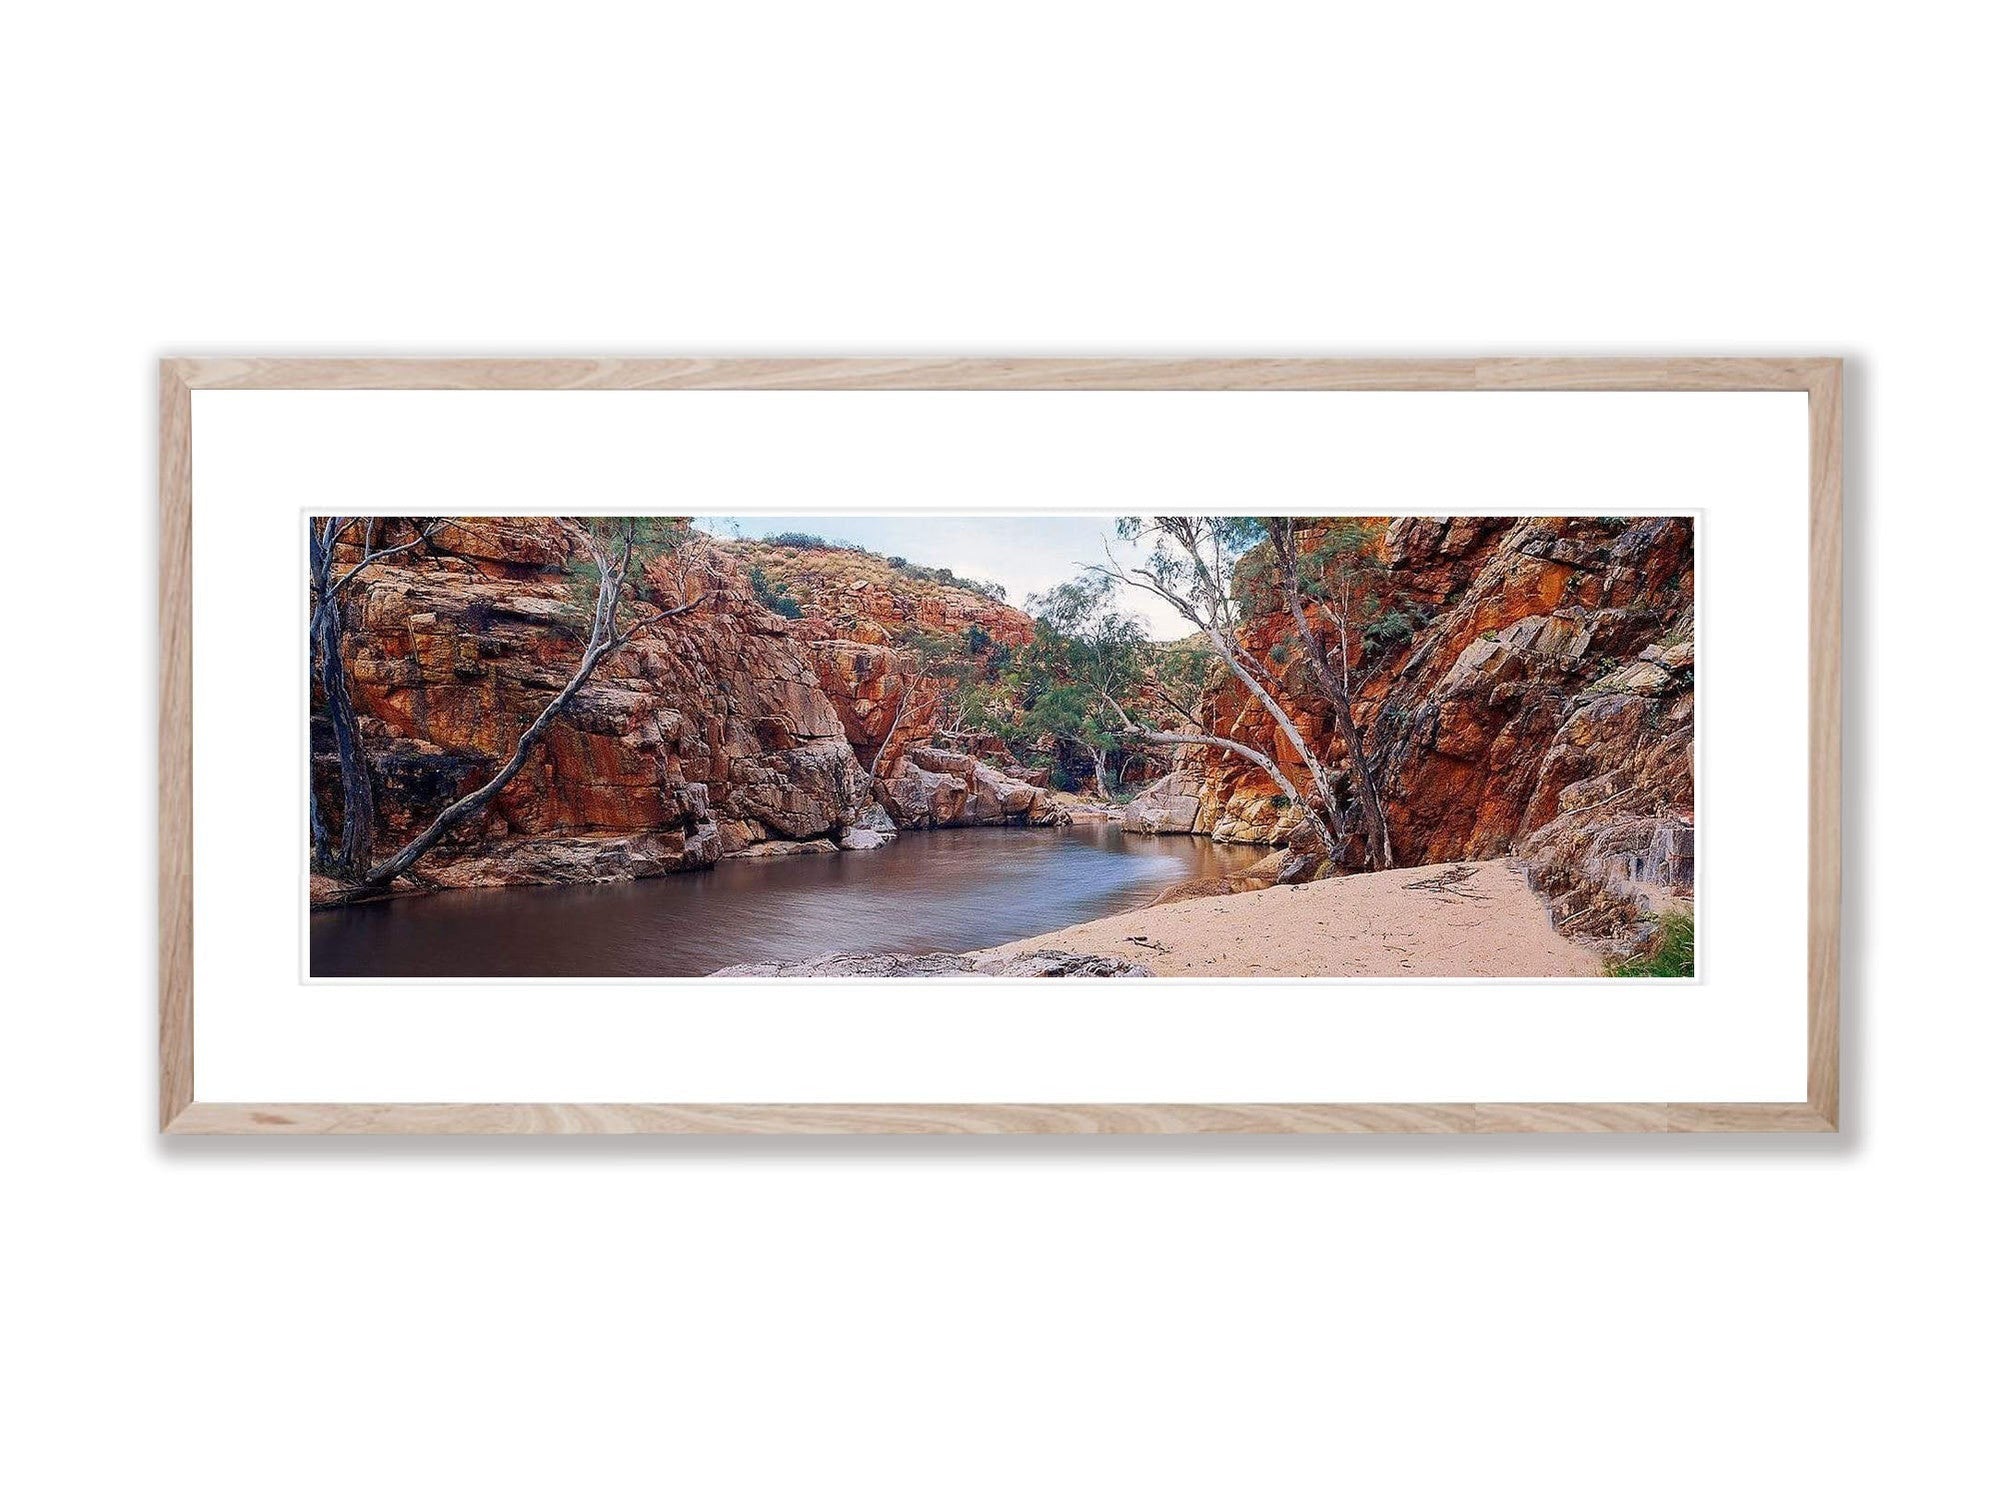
{"x": 1330, "y": 590}
{"x": 328, "y": 583}
{"x": 1089, "y": 655}
{"x": 1204, "y": 568}
{"x": 615, "y": 622}
{"x": 610, "y": 548}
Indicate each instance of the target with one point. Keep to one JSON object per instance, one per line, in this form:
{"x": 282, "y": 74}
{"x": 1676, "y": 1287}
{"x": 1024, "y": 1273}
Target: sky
{"x": 1023, "y": 553}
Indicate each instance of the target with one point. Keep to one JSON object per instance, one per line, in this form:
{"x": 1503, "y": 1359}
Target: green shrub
{"x": 1671, "y": 955}
{"x": 1392, "y": 628}
{"x": 775, "y": 597}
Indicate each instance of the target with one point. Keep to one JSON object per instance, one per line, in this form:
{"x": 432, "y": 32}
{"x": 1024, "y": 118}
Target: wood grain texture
{"x": 1748, "y": 1118}
{"x": 992, "y": 1119}
{"x": 824, "y": 1119}
{"x": 176, "y": 768}
{"x": 831, "y": 374}
{"x": 1823, "y": 891}
{"x": 1819, "y": 378}
{"x": 1653, "y": 374}
{"x": 1571, "y": 1118}
{"x": 1002, "y": 374}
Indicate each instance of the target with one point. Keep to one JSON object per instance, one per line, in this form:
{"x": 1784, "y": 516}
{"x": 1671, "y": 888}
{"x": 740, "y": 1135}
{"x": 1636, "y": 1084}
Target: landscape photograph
{"x": 1017, "y": 746}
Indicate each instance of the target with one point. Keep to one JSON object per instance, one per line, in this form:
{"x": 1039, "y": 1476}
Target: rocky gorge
{"x": 1521, "y": 689}
{"x": 1531, "y": 696}
{"x": 730, "y": 730}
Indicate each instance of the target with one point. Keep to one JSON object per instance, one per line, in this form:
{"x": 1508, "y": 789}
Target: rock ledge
{"x": 1041, "y": 963}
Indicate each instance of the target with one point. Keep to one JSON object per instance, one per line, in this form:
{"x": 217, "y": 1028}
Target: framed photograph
{"x": 995, "y": 745}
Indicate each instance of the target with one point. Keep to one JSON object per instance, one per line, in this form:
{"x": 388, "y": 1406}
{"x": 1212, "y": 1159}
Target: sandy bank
{"x": 1443, "y": 921}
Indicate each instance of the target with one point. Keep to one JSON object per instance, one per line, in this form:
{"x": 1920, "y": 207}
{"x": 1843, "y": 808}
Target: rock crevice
{"x": 1540, "y": 705}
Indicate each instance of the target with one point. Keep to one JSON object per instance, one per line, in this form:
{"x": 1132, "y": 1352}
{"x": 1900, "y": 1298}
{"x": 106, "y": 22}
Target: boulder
{"x": 1607, "y": 878}
{"x": 844, "y": 965}
{"x": 1171, "y": 804}
{"x": 784, "y": 848}
{"x": 572, "y": 860}
{"x": 944, "y": 789}
{"x": 1051, "y": 963}
{"x": 918, "y": 798}
{"x": 873, "y": 818}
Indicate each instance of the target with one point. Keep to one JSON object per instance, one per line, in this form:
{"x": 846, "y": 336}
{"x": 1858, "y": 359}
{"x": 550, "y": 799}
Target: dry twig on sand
{"x": 1450, "y": 882}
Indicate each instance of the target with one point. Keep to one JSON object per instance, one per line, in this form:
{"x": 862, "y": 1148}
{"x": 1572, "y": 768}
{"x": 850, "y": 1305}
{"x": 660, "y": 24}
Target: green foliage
{"x": 775, "y": 597}
{"x": 1671, "y": 955}
{"x": 1057, "y": 688}
{"x": 633, "y": 539}
{"x": 978, "y": 641}
{"x": 805, "y": 541}
{"x": 1183, "y": 668}
{"x": 940, "y": 658}
{"x": 1396, "y": 627}
{"x": 1337, "y": 566}
{"x": 1067, "y": 711}
{"x": 1194, "y": 556}
{"x": 649, "y": 535}
{"x": 644, "y": 538}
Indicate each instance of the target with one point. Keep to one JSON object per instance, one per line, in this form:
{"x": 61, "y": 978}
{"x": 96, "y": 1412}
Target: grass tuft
{"x": 1671, "y": 955}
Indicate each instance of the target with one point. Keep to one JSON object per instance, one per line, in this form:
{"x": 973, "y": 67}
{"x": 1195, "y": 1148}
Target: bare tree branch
{"x": 370, "y": 556}
{"x": 901, "y": 707}
{"x": 605, "y": 638}
{"x": 1200, "y": 555}
{"x": 1336, "y": 685}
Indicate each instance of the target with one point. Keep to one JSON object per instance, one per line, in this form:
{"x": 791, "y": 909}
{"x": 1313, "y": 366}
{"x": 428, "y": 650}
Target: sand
{"x": 1443, "y": 921}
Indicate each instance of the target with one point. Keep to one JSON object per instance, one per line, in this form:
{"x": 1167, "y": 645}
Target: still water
{"x": 949, "y": 890}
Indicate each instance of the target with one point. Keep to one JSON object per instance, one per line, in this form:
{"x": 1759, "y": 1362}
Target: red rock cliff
{"x": 709, "y": 735}
{"x": 859, "y": 617}
{"x": 1543, "y": 706}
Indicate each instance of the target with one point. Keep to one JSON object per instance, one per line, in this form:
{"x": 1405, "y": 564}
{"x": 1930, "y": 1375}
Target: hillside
{"x": 885, "y": 640}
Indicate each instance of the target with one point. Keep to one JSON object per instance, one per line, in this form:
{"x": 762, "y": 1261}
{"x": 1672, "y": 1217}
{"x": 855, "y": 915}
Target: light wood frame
{"x": 181, "y": 1113}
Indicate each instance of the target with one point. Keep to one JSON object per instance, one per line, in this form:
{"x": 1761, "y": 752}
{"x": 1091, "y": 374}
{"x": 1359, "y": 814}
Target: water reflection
{"x": 945, "y": 891}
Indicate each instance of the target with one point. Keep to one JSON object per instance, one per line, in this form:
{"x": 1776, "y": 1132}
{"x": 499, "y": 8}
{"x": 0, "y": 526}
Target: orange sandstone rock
{"x": 1543, "y": 706}
{"x": 721, "y": 730}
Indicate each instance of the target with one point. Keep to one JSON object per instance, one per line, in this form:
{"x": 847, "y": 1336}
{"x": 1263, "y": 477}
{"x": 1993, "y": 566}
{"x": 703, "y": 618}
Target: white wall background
{"x": 990, "y": 1317}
